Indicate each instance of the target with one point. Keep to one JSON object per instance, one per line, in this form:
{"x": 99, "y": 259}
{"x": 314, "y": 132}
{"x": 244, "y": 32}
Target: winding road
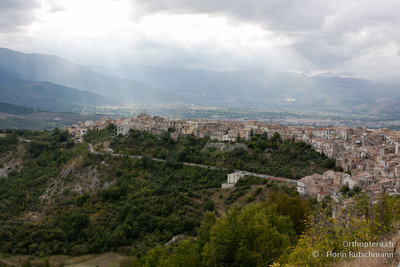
{"x": 269, "y": 177}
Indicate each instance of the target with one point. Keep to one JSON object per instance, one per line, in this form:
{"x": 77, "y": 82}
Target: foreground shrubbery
{"x": 254, "y": 235}
{"x": 359, "y": 222}
{"x": 259, "y": 235}
{"x": 251, "y": 236}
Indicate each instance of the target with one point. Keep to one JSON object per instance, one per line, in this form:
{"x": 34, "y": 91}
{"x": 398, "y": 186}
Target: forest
{"x": 138, "y": 205}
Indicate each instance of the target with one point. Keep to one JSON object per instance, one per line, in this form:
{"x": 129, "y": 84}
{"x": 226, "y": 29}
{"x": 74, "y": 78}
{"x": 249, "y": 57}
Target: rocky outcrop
{"x": 75, "y": 178}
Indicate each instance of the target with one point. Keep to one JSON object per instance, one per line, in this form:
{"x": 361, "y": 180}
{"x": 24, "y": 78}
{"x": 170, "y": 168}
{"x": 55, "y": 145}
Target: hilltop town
{"x": 369, "y": 158}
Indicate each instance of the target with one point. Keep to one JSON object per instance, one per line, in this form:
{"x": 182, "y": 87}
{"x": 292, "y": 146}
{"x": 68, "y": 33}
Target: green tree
{"x": 298, "y": 209}
{"x": 209, "y": 205}
{"x": 328, "y": 234}
{"x": 156, "y": 257}
{"x": 252, "y": 236}
{"x": 185, "y": 254}
{"x": 207, "y": 223}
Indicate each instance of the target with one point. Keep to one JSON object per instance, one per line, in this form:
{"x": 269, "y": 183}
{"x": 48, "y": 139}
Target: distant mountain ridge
{"x": 267, "y": 89}
{"x": 391, "y": 108}
{"x": 273, "y": 89}
{"x": 39, "y": 67}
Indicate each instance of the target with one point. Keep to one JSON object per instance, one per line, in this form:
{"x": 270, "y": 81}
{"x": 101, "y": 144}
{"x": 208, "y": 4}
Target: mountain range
{"x": 39, "y": 67}
{"x": 56, "y": 84}
{"x": 46, "y": 95}
{"x": 262, "y": 88}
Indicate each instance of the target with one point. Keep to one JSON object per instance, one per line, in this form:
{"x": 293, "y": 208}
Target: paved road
{"x": 269, "y": 177}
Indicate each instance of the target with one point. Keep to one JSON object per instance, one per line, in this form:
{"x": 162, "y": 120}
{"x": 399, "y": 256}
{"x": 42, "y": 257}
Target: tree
{"x": 252, "y": 236}
{"x": 328, "y": 234}
{"x": 209, "y": 205}
{"x": 203, "y": 234}
{"x": 264, "y": 136}
{"x": 185, "y": 254}
{"x": 293, "y": 205}
{"x": 276, "y": 137}
{"x": 156, "y": 257}
{"x": 345, "y": 188}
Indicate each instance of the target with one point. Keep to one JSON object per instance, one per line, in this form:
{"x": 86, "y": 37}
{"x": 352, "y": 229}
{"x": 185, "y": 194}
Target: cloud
{"x": 291, "y": 16}
{"x": 18, "y": 4}
{"x": 17, "y": 13}
{"x": 285, "y": 15}
{"x": 326, "y": 33}
{"x": 311, "y": 36}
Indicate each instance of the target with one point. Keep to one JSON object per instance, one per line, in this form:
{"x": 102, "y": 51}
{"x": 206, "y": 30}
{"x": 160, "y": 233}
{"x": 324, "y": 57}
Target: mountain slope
{"x": 47, "y": 96}
{"x": 391, "y": 107}
{"x": 18, "y": 117}
{"x": 14, "y": 109}
{"x": 276, "y": 89}
{"x": 38, "y": 67}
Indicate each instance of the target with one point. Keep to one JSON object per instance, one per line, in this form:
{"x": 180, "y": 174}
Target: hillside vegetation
{"x": 264, "y": 155}
{"x": 19, "y": 117}
{"x": 63, "y": 200}
{"x": 263, "y": 235}
{"x": 60, "y": 199}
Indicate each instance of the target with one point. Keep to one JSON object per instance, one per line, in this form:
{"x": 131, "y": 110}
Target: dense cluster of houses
{"x": 327, "y": 184}
{"x": 370, "y": 158}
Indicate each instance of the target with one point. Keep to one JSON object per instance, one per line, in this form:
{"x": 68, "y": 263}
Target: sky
{"x": 334, "y": 37}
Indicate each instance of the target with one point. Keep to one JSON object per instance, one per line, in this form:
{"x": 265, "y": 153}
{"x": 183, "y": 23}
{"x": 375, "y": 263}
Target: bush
{"x": 209, "y": 205}
{"x": 252, "y": 236}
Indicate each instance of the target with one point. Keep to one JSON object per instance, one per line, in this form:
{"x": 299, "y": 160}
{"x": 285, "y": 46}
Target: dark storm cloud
{"x": 327, "y": 33}
{"x": 16, "y": 13}
{"x": 286, "y": 15}
{"x": 298, "y": 16}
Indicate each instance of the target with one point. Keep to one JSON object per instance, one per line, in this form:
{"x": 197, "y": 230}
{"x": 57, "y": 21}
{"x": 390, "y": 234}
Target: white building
{"x": 301, "y": 188}
{"x": 230, "y": 137}
{"x": 123, "y": 128}
{"x": 79, "y": 133}
{"x": 233, "y": 178}
{"x": 89, "y": 123}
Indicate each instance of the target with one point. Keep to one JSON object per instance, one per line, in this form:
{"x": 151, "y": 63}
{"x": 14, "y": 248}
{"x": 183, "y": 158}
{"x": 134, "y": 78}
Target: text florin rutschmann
{"x": 360, "y": 254}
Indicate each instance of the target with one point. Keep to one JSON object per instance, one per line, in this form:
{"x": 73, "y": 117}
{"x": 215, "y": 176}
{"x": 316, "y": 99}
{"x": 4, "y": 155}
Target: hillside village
{"x": 370, "y": 158}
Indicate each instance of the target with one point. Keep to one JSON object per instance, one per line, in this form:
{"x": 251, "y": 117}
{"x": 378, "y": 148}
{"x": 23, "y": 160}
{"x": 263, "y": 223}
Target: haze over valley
{"x": 51, "y": 83}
